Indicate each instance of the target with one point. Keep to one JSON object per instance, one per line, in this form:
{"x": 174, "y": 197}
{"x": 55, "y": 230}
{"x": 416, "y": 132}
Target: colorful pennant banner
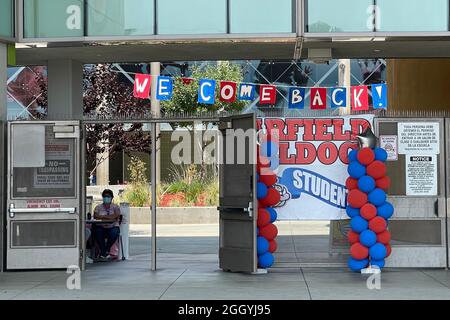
{"x": 320, "y": 97}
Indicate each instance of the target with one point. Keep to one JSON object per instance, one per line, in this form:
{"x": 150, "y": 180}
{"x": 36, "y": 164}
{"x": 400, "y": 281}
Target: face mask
{"x": 107, "y": 200}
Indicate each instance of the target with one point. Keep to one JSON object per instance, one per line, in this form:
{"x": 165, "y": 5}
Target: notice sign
{"x": 390, "y": 144}
{"x": 421, "y": 175}
{"x": 55, "y": 174}
{"x": 418, "y": 138}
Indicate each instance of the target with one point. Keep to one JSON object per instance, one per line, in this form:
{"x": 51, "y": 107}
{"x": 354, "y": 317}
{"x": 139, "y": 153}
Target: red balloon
{"x": 368, "y": 211}
{"x": 383, "y": 183}
{"x": 376, "y": 170}
{"x": 263, "y": 218}
{"x": 273, "y": 246}
{"x": 365, "y": 156}
{"x": 351, "y": 183}
{"x": 356, "y": 198}
{"x": 384, "y": 237}
{"x": 272, "y": 198}
{"x": 352, "y": 237}
{"x": 388, "y": 249}
{"x": 378, "y": 224}
{"x": 268, "y": 179}
{"x": 358, "y": 251}
{"x": 269, "y": 232}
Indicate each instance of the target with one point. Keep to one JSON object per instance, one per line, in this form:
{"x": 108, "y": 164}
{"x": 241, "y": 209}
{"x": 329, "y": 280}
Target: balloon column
{"x": 267, "y": 197}
{"x": 367, "y": 206}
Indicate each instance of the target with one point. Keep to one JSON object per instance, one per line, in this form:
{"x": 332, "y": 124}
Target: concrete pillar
{"x": 3, "y": 115}
{"x": 65, "y": 89}
{"x": 102, "y": 161}
{"x": 3, "y": 79}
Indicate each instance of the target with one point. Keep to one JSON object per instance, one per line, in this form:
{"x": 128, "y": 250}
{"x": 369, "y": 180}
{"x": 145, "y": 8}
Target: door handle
{"x": 13, "y": 211}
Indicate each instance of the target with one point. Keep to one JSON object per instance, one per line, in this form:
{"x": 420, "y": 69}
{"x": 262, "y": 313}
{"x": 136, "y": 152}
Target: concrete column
{"x": 156, "y": 108}
{"x": 3, "y": 79}
{"x": 3, "y": 115}
{"x": 102, "y": 160}
{"x": 65, "y": 89}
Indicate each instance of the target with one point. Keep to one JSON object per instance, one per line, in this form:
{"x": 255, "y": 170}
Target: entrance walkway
{"x": 188, "y": 266}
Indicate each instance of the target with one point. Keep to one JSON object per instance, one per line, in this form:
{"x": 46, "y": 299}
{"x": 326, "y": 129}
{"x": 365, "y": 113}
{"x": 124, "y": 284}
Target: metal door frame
{"x": 441, "y": 210}
{"x": 8, "y": 180}
{"x": 147, "y": 118}
{"x": 254, "y": 208}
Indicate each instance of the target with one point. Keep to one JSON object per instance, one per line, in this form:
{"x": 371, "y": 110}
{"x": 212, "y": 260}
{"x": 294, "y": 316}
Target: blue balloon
{"x": 378, "y": 251}
{"x": 269, "y": 149}
{"x": 257, "y": 231}
{"x": 352, "y": 156}
{"x": 357, "y": 265}
{"x": 368, "y": 238}
{"x": 359, "y": 224}
{"x": 380, "y": 154}
{"x": 386, "y": 210}
{"x": 379, "y": 263}
{"x": 352, "y": 212}
{"x": 266, "y": 260}
{"x": 366, "y": 184}
{"x": 356, "y": 170}
{"x": 274, "y": 163}
{"x": 261, "y": 190}
{"x": 273, "y": 214}
{"x": 377, "y": 197}
{"x": 257, "y": 176}
{"x": 262, "y": 245}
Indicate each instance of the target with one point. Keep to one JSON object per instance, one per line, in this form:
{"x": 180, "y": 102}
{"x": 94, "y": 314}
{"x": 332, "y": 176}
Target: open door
{"x": 43, "y": 196}
{"x": 238, "y": 205}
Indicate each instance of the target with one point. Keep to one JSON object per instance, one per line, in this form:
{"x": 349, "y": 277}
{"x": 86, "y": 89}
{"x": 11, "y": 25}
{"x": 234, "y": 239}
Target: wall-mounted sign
{"x": 390, "y": 144}
{"x": 418, "y": 138}
{"x": 421, "y": 175}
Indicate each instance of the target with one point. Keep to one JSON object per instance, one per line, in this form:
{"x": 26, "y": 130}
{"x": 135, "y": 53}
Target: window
{"x": 53, "y": 18}
{"x": 120, "y": 17}
{"x": 413, "y": 15}
{"x": 6, "y": 18}
{"x": 191, "y": 17}
{"x": 261, "y": 16}
{"x": 324, "y": 16}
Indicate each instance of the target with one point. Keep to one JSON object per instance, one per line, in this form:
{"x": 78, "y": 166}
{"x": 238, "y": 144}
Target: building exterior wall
{"x": 418, "y": 84}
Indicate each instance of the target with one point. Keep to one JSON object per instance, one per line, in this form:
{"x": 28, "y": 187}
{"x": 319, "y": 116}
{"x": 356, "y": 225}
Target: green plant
{"x": 212, "y": 193}
{"x": 137, "y": 193}
{"x": 185, "y": 96}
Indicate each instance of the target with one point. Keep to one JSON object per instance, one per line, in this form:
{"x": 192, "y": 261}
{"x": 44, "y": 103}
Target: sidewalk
{"x": 188, "y": 269}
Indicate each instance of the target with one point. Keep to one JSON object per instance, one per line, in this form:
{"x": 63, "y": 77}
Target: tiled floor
{"x": 188, "y": 269}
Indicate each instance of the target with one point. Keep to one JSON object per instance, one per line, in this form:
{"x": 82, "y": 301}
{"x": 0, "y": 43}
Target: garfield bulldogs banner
{"x": 313, "y": 159}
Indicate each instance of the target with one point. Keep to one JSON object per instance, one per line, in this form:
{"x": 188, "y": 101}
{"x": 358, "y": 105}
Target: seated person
{"x": 107, "y": 211}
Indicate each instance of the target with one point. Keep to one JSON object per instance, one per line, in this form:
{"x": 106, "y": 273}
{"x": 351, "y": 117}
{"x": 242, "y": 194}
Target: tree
{"x": 106, "y": 96}
{"x": 185, "y": 94}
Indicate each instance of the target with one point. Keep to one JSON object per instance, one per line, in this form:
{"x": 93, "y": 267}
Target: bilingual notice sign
{"x": 418, "y": 138}
{"x": 421, "y": 175}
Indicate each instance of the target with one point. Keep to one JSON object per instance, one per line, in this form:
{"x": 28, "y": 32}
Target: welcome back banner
{"x": 313, "y": 156}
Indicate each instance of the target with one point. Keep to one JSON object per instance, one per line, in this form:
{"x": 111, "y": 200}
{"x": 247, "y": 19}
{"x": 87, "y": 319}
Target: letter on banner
{"x": 142, "y": 84}
{"x": 360, "y": 98}
{"x": 338, "y": 97}
{"x": 296, "y": 98}
{"x": 165, "y": 88}
{"x": 228, "y": 91}
{"x": 246, "y": 92}
{"x": 206, "y": 91}
{"x": 379, "y": 96}
{"x": 318, "y": 98}
{"x": 267, "y": 94}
